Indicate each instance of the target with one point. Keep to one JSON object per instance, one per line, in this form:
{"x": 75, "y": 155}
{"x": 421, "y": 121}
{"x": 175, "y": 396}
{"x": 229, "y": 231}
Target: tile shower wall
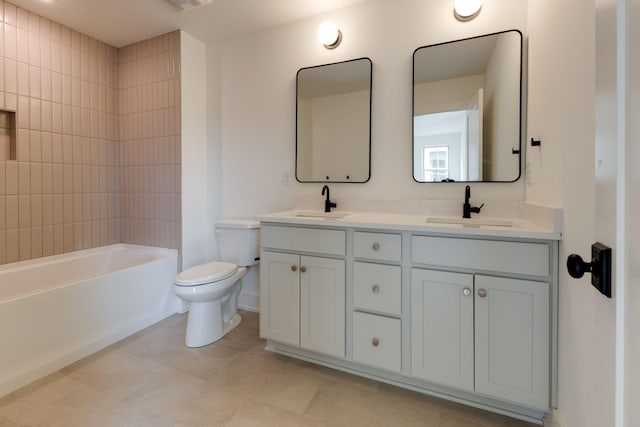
{"x": 61, "y": 192}
{"x": 149, "y": 107}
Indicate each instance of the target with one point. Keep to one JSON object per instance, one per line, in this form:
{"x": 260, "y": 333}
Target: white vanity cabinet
{"x": 465, "y": 315}
{"x": 302, "y": 299}
{"x": 482, "y": 332}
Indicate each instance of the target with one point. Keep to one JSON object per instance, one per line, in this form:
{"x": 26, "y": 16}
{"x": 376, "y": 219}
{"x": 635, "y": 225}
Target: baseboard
{"x": 249, "y": 301}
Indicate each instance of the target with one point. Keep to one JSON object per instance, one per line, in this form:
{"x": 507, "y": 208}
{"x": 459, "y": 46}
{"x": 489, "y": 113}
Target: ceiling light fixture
{"x": 190, "y": 4}
{"x": 329, "y": 35}
{"x": 466, "y": 10}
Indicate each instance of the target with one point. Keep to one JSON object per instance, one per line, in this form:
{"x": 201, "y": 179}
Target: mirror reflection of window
{"x": 436, "y": 160}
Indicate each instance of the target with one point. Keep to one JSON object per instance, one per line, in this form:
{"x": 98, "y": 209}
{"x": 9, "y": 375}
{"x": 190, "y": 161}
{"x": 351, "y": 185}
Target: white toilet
{"x": 212, "y": 289}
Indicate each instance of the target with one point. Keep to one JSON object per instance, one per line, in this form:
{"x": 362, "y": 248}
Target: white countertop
{"x": 476, "y": 226}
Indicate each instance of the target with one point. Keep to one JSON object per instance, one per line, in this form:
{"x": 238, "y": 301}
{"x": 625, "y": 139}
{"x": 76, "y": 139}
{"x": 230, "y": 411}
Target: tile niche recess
{"x": 7, "y": 135}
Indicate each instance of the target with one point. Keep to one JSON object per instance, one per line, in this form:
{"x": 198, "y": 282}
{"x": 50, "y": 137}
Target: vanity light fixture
{"x": 466, "y": 10}
{"x": 329, "y": 35}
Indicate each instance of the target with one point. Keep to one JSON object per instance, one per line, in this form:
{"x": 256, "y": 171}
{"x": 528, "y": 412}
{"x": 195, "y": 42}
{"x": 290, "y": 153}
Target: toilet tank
{"x": 238, "y": 241}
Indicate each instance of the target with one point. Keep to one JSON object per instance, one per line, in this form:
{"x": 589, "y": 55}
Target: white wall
{"x": 197, "y": 217}
{"x": 258, "y": 101}
{"x": 561, "y": 114}
{"x": 632, "y": 323}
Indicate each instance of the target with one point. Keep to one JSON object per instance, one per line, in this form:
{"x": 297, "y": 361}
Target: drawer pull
{"x": 466, "y": 291}
{"x": 482, "y": 293}
{"x": 375, "y": 289}
{"x": 375, "y": 342}
{"x": 375, "y": 246}
{"x": 294, "y": 268}
{"x": 303, "y": 269}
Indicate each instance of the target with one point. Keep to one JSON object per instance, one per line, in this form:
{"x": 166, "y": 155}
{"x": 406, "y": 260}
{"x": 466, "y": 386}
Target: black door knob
{"x": 599, "y": 267}
{"x": 577, "y": 266}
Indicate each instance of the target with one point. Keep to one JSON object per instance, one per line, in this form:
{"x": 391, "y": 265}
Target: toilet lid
{"x": 206, "y": 273}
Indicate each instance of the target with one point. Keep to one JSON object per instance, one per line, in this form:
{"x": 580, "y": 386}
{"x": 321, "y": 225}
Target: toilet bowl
{"x": 212, "y": 289}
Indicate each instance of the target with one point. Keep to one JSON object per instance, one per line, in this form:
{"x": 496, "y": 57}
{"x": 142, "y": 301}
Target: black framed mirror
{"x": 333, "y": 122}
{"x": 467, "y": 109}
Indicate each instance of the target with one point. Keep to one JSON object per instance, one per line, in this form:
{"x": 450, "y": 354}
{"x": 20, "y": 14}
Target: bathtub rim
{"x": 18, "y": 266}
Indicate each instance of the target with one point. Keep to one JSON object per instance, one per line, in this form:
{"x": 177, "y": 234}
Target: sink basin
{"x": 472, "y": 222}
{"x": 321, "y": 215}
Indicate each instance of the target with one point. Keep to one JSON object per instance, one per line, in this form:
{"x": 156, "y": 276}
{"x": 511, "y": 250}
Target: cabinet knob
{"x": 294, "y": 268}
{"x": 375, "y": 246}
{"x": 375, "y": 342}
{"x": 466, "y": 291}
{"x": 375, "y": 289}
{"x": 482, "y": 293}
{"x": 303, "y": 269}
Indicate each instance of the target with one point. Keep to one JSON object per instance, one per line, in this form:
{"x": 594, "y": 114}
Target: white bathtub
{"x": 58, "y": 309}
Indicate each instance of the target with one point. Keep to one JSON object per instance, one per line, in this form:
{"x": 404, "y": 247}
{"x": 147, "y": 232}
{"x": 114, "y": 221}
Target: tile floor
{"x": 152, "y": 379}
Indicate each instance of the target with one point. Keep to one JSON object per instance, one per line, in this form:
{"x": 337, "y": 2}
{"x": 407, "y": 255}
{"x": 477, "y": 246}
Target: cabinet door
{"x": 322, "y": 299}
{"x": 442, "y": 327}
{"x": 280, "y": 297}
{"x": 512, "y": 340}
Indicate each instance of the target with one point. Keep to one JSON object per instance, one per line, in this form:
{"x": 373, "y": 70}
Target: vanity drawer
{"x": 376, "y": 341}
{"x": 377, "y": 287}
{"x": 380, "y": 246}
{"x": 491, "y": 255}
{"x": 299, "y": 239}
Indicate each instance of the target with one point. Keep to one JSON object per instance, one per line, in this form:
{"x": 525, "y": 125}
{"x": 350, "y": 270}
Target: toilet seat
{"x": 206, "y": 273}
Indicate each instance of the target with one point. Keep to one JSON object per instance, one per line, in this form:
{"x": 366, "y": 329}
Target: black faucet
{"x": 327, "y": 203}
{"x": 467, "y": 209}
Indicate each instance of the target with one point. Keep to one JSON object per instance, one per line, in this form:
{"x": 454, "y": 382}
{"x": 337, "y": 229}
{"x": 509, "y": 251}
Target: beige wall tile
{"x": 45, "y": 52}
{"x": 36, "y": 242}
{"x": 58, "y": 239}
{"x": 47, "y": 240}
{"x": 13, "y": 245}
{"x": 24, "y": 211}
{"x": 36, "y": 210}
{"x": 10, "y": 41}
{"x": 47, "y": 178}
{"x": 47, "y": 148}
{"x": 67, "y": 208}
{"x": 36, "y": 178}
{"x": 68, "y": 237}
{"x": 56, "y": 56}
{"x": 11, "y": 212}
{"x": 25, "y": 243}
{"x": 11, "y": 171}
{"x": 24, "y": 178}
{"x": 3, "y": 246}
{"x": 23, "y": 145}
{"x": 23, "y": 19}
{"x": 58, "y": 178}
{"x": 56, "y": 87}
{"x": 35, "y": 81}
{"x": 34, "y": 49}
{"x": 10, "y": 75}
{"x": 23, "y": 78}
{"x": 35, "y": 115}
{"x": 58, "y": 209}
{"x": 3, "y": 213}
{"x": 47, "y": 116}
{"x": 47, "y": 209}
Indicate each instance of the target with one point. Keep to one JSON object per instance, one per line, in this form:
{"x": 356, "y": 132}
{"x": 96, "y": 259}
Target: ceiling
{"x": 123, "y": 22}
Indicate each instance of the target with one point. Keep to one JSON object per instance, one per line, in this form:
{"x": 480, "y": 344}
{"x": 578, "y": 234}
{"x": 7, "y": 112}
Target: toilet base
{"x": 205, "y": 324}
{"x": 232, "y": 324}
